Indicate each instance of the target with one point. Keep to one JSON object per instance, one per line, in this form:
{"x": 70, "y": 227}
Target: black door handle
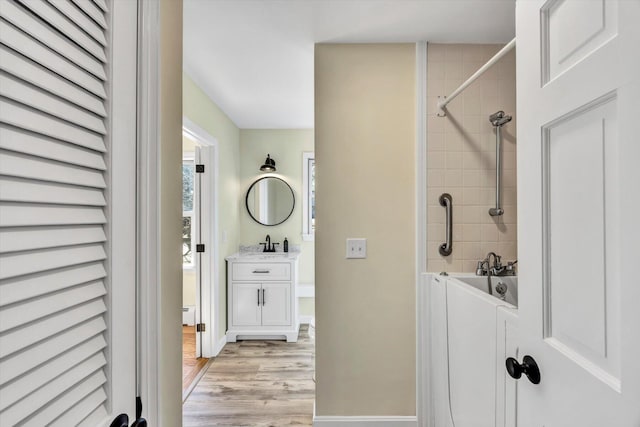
{"x": 121, "y": 420}
{"x": 529, "y": 367}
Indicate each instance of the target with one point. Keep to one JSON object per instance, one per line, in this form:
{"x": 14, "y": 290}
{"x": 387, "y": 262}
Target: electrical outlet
{"x": 356, "y": 248}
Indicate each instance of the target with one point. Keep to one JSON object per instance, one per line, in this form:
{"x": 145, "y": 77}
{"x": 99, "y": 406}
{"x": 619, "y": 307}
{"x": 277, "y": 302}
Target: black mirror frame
{"x": 246, "y": 200}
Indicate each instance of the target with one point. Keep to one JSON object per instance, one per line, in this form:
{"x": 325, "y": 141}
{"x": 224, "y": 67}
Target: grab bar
{"x": 447, "y": 247}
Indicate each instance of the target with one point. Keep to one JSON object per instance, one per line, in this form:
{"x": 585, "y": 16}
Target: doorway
{"x": 192, "y": 358}
{"x": 199, "y": 255}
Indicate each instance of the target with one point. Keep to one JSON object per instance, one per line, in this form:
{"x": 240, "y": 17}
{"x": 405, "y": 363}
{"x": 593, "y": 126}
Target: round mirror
{"x": 270, "y": 201}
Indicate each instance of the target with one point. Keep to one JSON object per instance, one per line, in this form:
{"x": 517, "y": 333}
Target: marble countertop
{"x": 263, "y": 256}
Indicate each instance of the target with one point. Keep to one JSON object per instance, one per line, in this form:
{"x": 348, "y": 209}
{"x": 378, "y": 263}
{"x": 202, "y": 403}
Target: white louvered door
{"x": 67, "y": 211}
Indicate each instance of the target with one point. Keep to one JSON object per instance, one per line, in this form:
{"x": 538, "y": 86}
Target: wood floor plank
{"x": 257, "y": 384}
{"x": 191, "y": 365}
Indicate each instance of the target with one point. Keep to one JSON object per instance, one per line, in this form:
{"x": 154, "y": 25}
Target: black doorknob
{"x": 121, "y": 420}
{"x": 529, "y": 367}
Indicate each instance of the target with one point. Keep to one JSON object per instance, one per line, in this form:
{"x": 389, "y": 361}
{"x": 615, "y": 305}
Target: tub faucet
{"x": 491, "y": 271}
{"x": 485, "y": 268}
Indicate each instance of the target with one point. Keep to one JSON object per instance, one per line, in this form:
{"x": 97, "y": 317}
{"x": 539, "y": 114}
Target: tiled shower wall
{"x": 461, "y": 156}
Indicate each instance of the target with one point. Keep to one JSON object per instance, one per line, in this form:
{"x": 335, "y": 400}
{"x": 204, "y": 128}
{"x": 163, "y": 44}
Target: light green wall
{"x": 286, "y": 147}
{"x": 202, "y": 111}
{"x": 240, "y": 153}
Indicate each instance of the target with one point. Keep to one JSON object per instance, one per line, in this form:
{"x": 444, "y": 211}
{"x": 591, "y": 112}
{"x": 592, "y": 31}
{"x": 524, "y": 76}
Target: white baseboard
{"x": 364, "y": 421}
{"x": 309, "y": 320}
{"x": 219, "y": 345}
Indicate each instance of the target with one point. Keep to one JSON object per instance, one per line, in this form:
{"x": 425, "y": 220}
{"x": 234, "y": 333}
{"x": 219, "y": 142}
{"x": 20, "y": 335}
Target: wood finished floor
{"x": 257, "y": 384}
{"x": 191, "y": 365}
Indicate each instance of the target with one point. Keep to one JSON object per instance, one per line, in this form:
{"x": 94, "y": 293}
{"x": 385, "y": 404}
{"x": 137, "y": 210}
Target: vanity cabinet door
{"x": 276, "y": 304}
{"x": 246, "y": 300}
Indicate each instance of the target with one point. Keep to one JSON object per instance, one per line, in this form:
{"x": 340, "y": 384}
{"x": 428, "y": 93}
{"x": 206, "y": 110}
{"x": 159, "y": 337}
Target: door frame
{"x": 211, "y": 342}
{"x": 423, "y": 298}
{"x": 158, "y": 376}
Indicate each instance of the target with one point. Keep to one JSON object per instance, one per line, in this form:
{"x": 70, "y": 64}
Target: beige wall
{"x": 286, "y": 147}
{"x": 365, "y": 187}
{"x": 170, "y": 172}
{"x": 203, "y": 112}
{"x": 461, "y": 156}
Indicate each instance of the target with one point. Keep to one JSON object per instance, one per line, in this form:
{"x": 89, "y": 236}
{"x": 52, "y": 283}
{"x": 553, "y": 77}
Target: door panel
{"x": 578, "y": 82}
{"x": 67, "y": 221}
{"x": 276, "y": 303}
{"x": 581, "y": 232}
{"x": 246, "y": 301}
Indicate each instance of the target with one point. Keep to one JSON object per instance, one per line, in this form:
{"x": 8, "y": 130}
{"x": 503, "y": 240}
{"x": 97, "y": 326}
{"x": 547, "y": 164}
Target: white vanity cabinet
{"x": 261, "y": 296}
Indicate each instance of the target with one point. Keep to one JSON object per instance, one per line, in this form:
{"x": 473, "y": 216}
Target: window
{"x": 308, "y": 195}
{"x": 188, "y": 174}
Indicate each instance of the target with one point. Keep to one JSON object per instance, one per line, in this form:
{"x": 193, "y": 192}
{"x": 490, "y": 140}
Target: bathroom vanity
{"x": 261, "y": 296}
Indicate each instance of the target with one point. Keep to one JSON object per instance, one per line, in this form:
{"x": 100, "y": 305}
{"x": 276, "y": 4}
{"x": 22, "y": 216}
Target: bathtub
{"x": 472, "y": 335}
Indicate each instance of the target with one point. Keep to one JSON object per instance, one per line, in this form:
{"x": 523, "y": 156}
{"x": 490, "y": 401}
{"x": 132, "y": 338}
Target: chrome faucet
{"x": 491, "y": 270}
{"x": 485, "y": 267}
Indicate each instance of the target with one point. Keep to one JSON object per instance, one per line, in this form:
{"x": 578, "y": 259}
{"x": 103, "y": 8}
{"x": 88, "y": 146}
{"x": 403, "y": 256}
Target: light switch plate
{"x": 356, "y": 248}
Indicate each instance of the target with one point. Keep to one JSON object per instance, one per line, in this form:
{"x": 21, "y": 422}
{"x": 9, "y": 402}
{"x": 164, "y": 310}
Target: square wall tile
{"x": 461, "y": 156}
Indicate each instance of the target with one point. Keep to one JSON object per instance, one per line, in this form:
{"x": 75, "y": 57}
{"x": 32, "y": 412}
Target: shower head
{"x": 499, "y": 118}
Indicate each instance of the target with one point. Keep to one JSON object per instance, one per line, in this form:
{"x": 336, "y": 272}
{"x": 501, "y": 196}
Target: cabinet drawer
{"x": 260, "y": 271}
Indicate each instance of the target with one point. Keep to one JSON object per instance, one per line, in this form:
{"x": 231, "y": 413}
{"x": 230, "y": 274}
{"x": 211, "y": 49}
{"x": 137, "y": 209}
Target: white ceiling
{"x": 254, "y": 58}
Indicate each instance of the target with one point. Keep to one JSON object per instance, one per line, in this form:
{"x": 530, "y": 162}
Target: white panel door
{"x": 578, "y": 82}
{"x": 276, "y": 304}
{"x": 67, "y": 212}
{"x": 246, "y": 302}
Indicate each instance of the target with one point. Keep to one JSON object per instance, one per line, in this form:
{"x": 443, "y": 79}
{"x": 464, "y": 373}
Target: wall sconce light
{"x": 269, "y": 165}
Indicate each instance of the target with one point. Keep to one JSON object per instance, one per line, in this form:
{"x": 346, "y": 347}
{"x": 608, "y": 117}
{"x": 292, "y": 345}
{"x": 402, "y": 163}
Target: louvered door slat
{"x": 101, "y": 4}
{"x": 21, "y": 338}
{"x": 15, "y": 316}
{"x": 17, "y": 365}
{"x": 22, "y": 166}
{"x": 41, "y": 375}
{"x": 15, "y": 215}
{"x": 68, "y": 28}
{"x": 22, "y": 92}
{"x": 24, "y": 288}
{"x": 21, "y": 263}
{"x": 39, "y": 31}
{"x": 23, "y": 117}
{"x": 20, "y": 42}
{"x": 27, "y": 70}
{"x": 41, "y": 396}
{"x": 81, "y": 410}
{"x": 95, "y": 418}
{"x": 90, "y": 389}
{"x": 92, "y": 11}
{"x": 19, "y": 190}
{"x": 42, "y": 147}
{"x": 18, "y": 239}
{"x": 82, "y": 20}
